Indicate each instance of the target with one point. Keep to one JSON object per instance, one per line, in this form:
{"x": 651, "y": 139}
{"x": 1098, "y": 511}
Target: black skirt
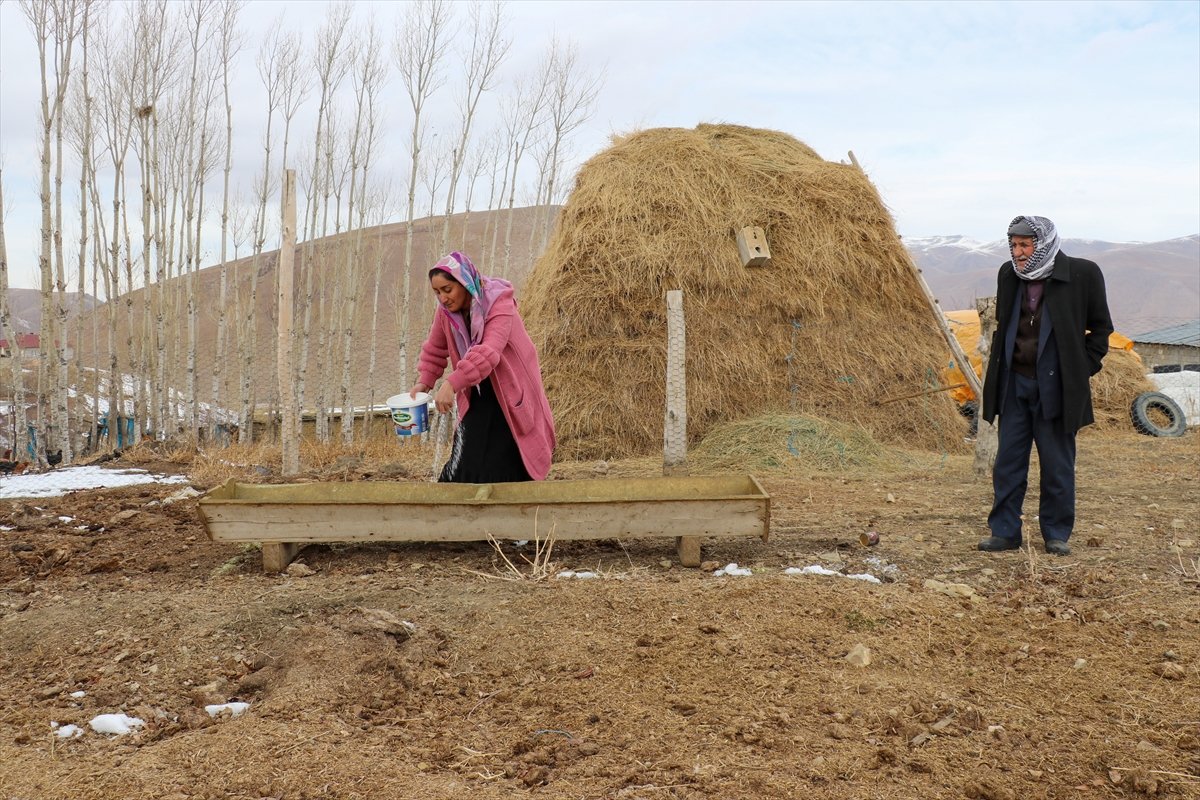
{"x": 484, "y": 448}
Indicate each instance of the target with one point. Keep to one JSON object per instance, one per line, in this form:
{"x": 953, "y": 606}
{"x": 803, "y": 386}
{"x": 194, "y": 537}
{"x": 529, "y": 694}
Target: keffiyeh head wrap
{"x": 483, "y": 291}
{"x": 1046, "y": 245}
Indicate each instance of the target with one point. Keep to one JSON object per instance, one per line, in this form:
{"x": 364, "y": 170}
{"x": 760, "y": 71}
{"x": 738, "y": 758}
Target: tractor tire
{"x": 1155, "y": 414}
{"x": 970, "y": 410}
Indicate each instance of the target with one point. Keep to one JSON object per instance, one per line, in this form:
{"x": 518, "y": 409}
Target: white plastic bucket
{"x": 410, "y": 415}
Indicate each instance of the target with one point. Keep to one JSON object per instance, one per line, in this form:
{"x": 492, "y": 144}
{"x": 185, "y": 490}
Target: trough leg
{"x": 277, "y": 555}
{"x": 688, "y": 550}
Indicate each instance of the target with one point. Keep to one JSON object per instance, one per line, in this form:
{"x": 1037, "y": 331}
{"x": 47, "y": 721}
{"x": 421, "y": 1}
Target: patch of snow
{"x": 582, "y": 574}
{"x": 115, "y": 724}
{"x": 79, "y": 694}
{"x": 57, "y": 482}
{"x": 882, "y": 565}
{"x": 733, "y": 570}
{"x": 817, "y": 569}
{"x": 66, "y": 731}
{"x": 961, "y": 242}
{"x": 233, "y": 708}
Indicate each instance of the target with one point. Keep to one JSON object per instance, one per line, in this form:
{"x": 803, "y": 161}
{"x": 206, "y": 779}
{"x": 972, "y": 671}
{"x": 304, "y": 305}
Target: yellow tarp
{"x": 965, "y": 327}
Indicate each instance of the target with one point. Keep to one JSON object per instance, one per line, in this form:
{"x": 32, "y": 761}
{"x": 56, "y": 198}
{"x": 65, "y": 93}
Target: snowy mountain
{"x": 1150, "y": 284}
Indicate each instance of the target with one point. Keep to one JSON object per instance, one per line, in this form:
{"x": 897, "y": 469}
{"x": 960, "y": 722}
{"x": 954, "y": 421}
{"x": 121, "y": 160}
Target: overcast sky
{"x": 963, "y": 114}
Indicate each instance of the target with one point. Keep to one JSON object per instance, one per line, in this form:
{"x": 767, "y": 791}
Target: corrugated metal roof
{"x": 1187, "y": 333}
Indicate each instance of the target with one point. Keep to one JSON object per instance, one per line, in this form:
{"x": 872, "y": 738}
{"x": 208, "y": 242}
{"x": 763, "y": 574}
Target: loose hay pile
{"x": 773, "y": 441}
{"x": 834, "y": 323}
{"x": 1115, "y": 387}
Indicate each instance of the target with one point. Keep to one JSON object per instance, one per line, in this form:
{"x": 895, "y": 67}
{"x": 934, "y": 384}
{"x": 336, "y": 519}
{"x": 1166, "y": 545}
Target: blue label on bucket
{"x": 410, "y": 415}
{"x": 412, "y": 420}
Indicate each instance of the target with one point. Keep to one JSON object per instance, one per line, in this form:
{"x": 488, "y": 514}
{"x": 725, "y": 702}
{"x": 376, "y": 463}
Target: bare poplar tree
{"x": 524, "y": 114}
{"x": 229, "y": 43}
{"x": 330, "y": 64}
{"x": 198, "y": 135}
{"x": 115, "y": 102}
{"x": 419, "y": 45}
{"x": 435, "y": 168}
{"x": 84, "y": 140}
{"x": 377, "y": 205}
{"x": 332, "y": 162}
{"x": 487, "y": 51}
{"x": 279, "y": 68}
{"x": 155, "y": 44}
{"x": 482, "y": 155}
{"x": 572, "y": 102}
{"x": 368, "y": 77}
{"x": 55, "y": 26}
{"x": 14, "y": 345}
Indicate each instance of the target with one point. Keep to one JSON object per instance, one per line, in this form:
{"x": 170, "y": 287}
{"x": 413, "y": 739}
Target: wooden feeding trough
{"x": 285, "y": 517}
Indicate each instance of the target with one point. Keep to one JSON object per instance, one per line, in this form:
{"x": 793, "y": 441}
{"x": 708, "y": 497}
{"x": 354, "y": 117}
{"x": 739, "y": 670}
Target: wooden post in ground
{"x": 277, "y": 555}
{"x": 675, "y": 423}
{"x": 289, "y": 427}
{"x": 959, "y": 356}
{"x": 986, "y": 436}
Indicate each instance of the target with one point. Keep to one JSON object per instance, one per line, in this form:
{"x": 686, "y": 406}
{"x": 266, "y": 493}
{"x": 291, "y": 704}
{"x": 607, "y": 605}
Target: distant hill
{"x": 25, "y": 308}
{"x": 480, "y": 235}
{"x": 1150, "y": 284}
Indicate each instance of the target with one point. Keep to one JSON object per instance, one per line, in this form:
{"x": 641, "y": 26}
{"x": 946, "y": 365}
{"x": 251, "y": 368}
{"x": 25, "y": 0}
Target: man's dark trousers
{"x": 1021, "y": 426}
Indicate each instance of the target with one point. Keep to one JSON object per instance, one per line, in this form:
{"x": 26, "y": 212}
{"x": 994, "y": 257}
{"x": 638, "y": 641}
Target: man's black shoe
{"x": 1057, "y": 547}
{"x": 994, "y": 544}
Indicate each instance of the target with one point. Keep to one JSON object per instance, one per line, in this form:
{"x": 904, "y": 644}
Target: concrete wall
{"x": 1162, "y": 355}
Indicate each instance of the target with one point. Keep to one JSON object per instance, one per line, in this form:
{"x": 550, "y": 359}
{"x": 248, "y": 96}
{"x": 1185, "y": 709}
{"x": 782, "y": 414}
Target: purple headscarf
{"x": 483, "y": 291}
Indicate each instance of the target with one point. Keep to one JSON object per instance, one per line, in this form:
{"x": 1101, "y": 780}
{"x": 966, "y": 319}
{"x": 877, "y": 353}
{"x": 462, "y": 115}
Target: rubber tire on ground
{"x": 1157, "y": 401}
{"x": 970, "y": 410}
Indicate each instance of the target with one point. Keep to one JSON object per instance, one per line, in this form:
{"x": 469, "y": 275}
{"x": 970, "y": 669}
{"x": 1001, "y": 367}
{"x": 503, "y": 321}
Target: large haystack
{"x": 832, "y": 325}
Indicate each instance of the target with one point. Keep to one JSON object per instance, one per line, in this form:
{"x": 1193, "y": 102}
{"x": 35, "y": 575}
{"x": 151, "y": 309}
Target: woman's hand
{"x": 417, "y": 388}
{"x": 444, "y": 399}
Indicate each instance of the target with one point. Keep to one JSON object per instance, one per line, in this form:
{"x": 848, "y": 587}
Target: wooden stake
{"x": 687, "y": 548}
{"x": 289, "y": 429}
{"x": 987, "y": 440}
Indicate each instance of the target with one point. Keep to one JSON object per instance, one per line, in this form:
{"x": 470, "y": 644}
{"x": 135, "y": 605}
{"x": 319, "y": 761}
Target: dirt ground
{"x": 1010, "y": 675}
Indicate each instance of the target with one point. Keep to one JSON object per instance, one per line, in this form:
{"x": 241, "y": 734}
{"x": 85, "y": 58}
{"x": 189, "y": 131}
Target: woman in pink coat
{"x": 505, "y": 428}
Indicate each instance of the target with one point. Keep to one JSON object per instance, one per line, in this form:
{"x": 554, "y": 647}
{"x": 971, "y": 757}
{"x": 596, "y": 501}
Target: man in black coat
{"x": 1052, "y": 333}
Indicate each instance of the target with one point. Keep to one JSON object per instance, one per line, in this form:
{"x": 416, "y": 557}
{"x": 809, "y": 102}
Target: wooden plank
{"x": 577, "y": 491}
{"x": 765, "y": 512}
{"x": 424, "y": 522}
{"x": 688, "y": 550}
{"x": 226, "y": 491}
{"x": 277, "y": 555}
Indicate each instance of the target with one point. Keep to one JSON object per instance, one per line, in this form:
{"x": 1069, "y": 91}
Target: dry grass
{"x": 538, "y": 568}
{"x": 834, "y": 322}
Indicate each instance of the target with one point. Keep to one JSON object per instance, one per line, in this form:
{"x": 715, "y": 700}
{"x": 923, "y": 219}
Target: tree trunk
{"x": 19, "y": 420}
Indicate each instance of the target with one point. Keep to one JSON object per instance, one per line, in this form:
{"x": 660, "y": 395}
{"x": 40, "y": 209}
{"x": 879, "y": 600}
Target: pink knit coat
{"x": 506, "y": 355}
